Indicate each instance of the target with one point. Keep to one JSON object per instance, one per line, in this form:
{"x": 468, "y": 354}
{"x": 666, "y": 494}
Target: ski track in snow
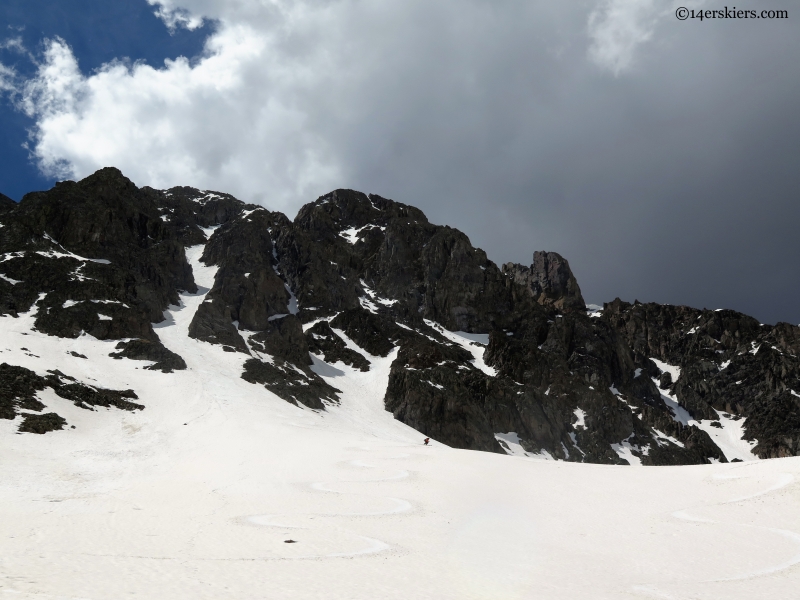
{"x": 363, "y": 415}
{"x": 782, "y": 481}
{"x": 730, "y": 441}
{"x": 330, "y": 510}
{"x": 173, "y": 332}
{"x": 289, "y": 521}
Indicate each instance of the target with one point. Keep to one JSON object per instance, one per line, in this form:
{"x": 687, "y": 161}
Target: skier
{"x": 427, "y": 440}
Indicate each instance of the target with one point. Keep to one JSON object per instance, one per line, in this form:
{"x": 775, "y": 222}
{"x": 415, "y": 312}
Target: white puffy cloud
{"x": 176, "y": 16}
{"x": 632, "y": 143}
{"x": 7, "y": 77}
{"x": 227, "y": 120}
{"x": 286, "y": 92}
{"x": 14, "y": 43}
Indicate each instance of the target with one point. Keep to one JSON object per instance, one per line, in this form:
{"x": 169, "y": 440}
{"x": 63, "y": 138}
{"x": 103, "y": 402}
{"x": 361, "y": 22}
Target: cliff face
{"x": 728, "y": 363}
{"x": 498, "y": 360}
{"x": 549, "y": 280}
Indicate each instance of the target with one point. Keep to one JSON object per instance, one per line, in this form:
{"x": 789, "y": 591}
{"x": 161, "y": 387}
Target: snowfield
{"x": 220, "y": 490}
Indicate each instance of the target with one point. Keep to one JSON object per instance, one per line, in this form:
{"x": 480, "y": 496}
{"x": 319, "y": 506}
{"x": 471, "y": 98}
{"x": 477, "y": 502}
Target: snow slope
{"x": 729, "y": 436}
{"x": 196, "y": 496}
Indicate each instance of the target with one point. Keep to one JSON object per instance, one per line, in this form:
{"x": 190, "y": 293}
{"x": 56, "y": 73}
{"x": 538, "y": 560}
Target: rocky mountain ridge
{"x": 496, "y": 359}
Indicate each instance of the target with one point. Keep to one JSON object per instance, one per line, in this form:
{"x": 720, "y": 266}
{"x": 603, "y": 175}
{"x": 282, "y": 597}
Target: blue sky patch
{"x": 98, "y": 32}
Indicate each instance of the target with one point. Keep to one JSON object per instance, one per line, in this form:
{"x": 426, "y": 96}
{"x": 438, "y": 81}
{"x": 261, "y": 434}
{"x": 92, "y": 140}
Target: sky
{"x": 660, "y": 157}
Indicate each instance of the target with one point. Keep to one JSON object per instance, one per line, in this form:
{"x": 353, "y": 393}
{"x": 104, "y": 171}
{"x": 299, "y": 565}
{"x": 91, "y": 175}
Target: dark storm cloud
{"x": 659, "y": 156}
{"x": 675, "y": 181}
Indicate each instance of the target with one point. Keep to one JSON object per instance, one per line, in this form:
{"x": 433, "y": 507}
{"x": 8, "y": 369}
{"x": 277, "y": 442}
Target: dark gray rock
{"x": 246, "y": 279}
{"x": 367, "y": 330}
{"x": 323, "y": 341}
{"x": 92, "y": 257}
{"x": 165, "y": 360}
{"x": 729, "y": 363}
{"x": 418, "y": 269}
{"x": 549, "y": 281}
{"x": 287, "y": 371}
{"x": 283, "y": 338}
{"x": 186, "y": 210}
{"x": 88, "y": 396}
{"x": 19, "y": 387}
{"x": 41, "y": 423}
{"x": 247, "y": 289}
{"x": 105, "y": 258}
{"x": 438, "y": 403}
{"x": 214, "y": 323}
{"x": 6, "y": 204}
{"x": 293, "y": 385}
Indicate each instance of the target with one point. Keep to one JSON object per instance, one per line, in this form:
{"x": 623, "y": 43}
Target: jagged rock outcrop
{"x": 19, "y": 386}
{"x": 348, "y": 249}
{"x": 282, "y": 363}
{"x": 41, "y": 423}
{"x": 247, "y": 289}
{"x": 6, "y": 203}
{"x": 729, "y": 363}
{"x": 549, "y": 280}
{"x": 94, "y": 257}
{"x": 323, "y": 341}
{"x": 501, "y": 360}
{"x": 189, "y": 211}
{"x": 246, "y": 280}
{"x": 163, "y": 359}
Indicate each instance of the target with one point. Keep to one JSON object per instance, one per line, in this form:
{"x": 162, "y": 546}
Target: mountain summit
{"x": 501, "y": 360}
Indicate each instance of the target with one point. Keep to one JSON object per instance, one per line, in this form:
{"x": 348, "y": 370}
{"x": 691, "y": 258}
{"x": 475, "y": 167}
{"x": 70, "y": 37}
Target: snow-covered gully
{"x": 220, "y": 490}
